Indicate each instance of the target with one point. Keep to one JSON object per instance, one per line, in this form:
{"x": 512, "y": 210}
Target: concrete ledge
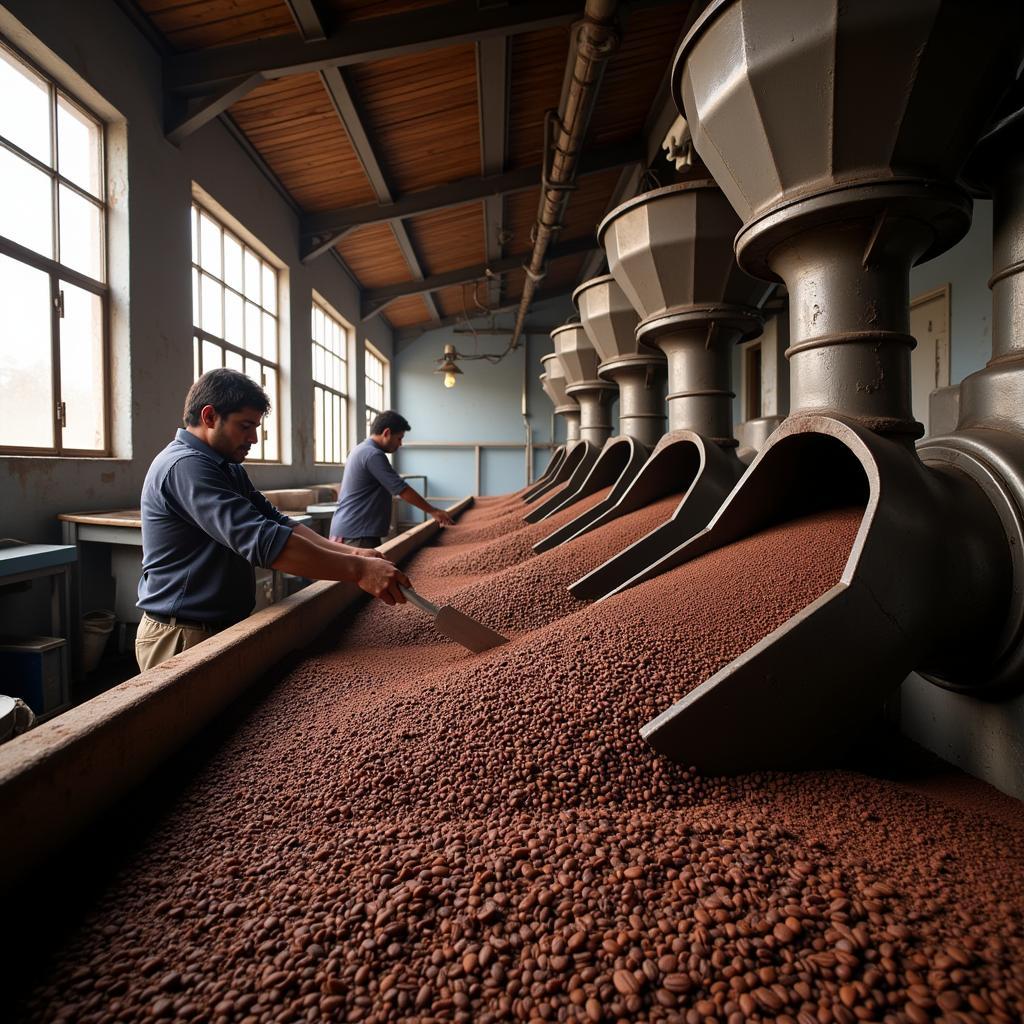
{"x": 58, "y": 777}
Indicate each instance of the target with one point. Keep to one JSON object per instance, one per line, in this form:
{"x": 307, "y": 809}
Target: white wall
{"x": 484, "y": 406}
{"x": 94, "y": 45}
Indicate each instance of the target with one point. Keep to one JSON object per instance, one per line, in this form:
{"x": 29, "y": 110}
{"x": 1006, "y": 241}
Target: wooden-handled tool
{"x": 457, "y": 626}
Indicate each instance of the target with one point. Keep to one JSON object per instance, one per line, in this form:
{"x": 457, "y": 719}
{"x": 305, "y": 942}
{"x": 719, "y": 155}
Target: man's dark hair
{"x": 389, "y": 420}
{"x": 227, "y": 391}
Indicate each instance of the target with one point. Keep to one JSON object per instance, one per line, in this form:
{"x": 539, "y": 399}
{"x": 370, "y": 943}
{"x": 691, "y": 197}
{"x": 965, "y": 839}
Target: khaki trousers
{"x": 155, "y": 642}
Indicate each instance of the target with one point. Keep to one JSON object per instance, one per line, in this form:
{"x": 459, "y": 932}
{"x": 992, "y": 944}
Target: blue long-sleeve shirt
{"x": 204, "y": 527}
{"x": 369, "y": 481}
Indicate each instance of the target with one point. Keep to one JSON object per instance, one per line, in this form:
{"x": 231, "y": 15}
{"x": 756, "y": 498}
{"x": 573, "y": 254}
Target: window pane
{"x": 26, "y": 381}
{"x": 233, "y": 329}
{"x": 195, "y": 235}
{"x": 234, "y": 360}
{"x": 269, "y": 288}
{"x": 209, "y": 245}
{"x": 318, "y": 425}
{"x": 79, "y": 147}
{"x": 213, "y": 356}
{"x": 26, "y": 204}
{"x": 336, "y": 402}
{"x": 195, "y": 297}
{"x": 81, "y": 234}
{"x": 252, "y": 328}
{"x": 318, "y": 364}
{"x": 81, "y": 369}
{"x": 270, "y": 446}
{"x": 269, "y": 338}
{"x": 25, "y": 111}
{"x": 212, "y": 319}
{"x": 232, "y": 261}
{"x": 196, "y": 368}
{"x": 252, "y": 276}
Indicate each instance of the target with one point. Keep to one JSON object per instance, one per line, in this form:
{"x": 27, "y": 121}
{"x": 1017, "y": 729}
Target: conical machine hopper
{"x": 838, "y": 135}
{"x": 671, "y": 252}
{"x": 610, "y": 322}
{"x": 554, "y": 383}
{"x": 552, "y": 380}
{"x": 579, "y": 361}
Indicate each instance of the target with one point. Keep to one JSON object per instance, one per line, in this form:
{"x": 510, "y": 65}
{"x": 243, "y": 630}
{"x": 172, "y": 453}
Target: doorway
{"x": 929, "y": 361}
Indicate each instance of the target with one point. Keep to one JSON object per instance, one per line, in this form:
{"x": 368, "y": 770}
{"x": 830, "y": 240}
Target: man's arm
{"x": 413, "y": 498}
{"x": 334, "y": 545}
{"x": 304, "y": 557}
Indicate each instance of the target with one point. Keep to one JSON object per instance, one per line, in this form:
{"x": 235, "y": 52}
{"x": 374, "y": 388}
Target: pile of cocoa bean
{"x": 402, "y": 830}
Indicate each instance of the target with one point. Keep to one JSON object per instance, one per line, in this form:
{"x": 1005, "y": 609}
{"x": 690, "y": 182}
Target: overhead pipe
{"x": 595, "y": 39}
{"x": 842, "y": 188}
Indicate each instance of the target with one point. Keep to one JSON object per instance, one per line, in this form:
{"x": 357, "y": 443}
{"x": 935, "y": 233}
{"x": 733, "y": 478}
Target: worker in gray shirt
{"x": 204, "y": 526}
{"x": 363, "y": 515}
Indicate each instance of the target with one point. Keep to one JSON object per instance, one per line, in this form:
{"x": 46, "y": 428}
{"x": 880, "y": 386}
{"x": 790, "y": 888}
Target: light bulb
{"x": 449, "y": 380}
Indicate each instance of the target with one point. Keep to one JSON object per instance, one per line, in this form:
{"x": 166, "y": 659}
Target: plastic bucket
{"x": 96, "y": 629}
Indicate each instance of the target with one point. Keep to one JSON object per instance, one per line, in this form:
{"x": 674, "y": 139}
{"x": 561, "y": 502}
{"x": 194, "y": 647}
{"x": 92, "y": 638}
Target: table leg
{"x": 74, "y": 602}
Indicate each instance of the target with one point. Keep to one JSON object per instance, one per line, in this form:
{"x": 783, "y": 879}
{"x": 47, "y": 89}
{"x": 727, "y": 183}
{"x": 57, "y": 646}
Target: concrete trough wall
{"x": 60, "y": 776}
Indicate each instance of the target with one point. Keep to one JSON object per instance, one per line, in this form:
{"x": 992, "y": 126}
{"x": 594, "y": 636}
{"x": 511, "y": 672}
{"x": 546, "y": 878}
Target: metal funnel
{"x": 552, "y": 380}
{"x": 671, "y": 251}
{"x": 579, "y": 360}
{"x": 841, "y": 194}
{"x": 610, "y": 323}
{"x": 837, "y": 136}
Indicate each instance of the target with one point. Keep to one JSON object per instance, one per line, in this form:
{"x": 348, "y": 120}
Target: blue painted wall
{"x": 484, "y": 406}
{"x": 967, "y": 267}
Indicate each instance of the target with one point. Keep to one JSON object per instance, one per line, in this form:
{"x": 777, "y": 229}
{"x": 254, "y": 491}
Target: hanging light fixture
{"x": 448, "y": 366}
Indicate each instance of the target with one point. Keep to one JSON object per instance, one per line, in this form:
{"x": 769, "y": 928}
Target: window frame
{"x": 58, "y": 272}
{"x": 370, "y": 350}
{"x": 348, "y": 334}
{"x": 201, "y": 336}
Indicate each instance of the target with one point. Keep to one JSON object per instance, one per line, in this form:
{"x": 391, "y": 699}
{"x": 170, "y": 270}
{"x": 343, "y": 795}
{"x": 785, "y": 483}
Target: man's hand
{"x": 361, "y": 552}
{"x": 370, "y": 553}
{"x": 441, "y": 517}
{"x": 379, "y": 577}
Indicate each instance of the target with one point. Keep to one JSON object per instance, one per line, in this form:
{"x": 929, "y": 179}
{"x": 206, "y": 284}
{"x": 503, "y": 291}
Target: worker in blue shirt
{"x": 363, "y": 515}
{"x": 204, "y": 527}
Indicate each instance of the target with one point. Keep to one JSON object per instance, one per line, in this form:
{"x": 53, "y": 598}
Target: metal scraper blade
{"x": 463, "y": 630}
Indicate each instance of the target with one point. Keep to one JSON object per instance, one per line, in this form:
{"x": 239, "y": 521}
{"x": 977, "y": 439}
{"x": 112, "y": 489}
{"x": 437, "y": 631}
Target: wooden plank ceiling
{"x": 421, "y": 114}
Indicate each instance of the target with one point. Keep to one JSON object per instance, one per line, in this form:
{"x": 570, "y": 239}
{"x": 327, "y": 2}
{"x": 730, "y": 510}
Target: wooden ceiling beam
{"x": 341, "y": 97}
{"x": 322, "y": 231}
{"x": 186, "y": 115}
{"x": 307, "y": 18}
{"x": 492, "y": 77}
{"x": 449, "y": 24}
{"x": 375, "y": 300}
{"x": 359, "y": 42}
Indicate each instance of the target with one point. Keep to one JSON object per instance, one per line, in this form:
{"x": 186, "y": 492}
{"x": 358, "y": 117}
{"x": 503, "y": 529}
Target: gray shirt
{"x": 204, "y": 526}
{"x": 369, "y": 481}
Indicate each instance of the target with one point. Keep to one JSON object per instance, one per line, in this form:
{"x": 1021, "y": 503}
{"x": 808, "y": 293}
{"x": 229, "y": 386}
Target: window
{"x": 53, "y": 292}
{"x": 330, "y": 386}
{"x": 376, "y": 385}
{"x": 234, "y": 316}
